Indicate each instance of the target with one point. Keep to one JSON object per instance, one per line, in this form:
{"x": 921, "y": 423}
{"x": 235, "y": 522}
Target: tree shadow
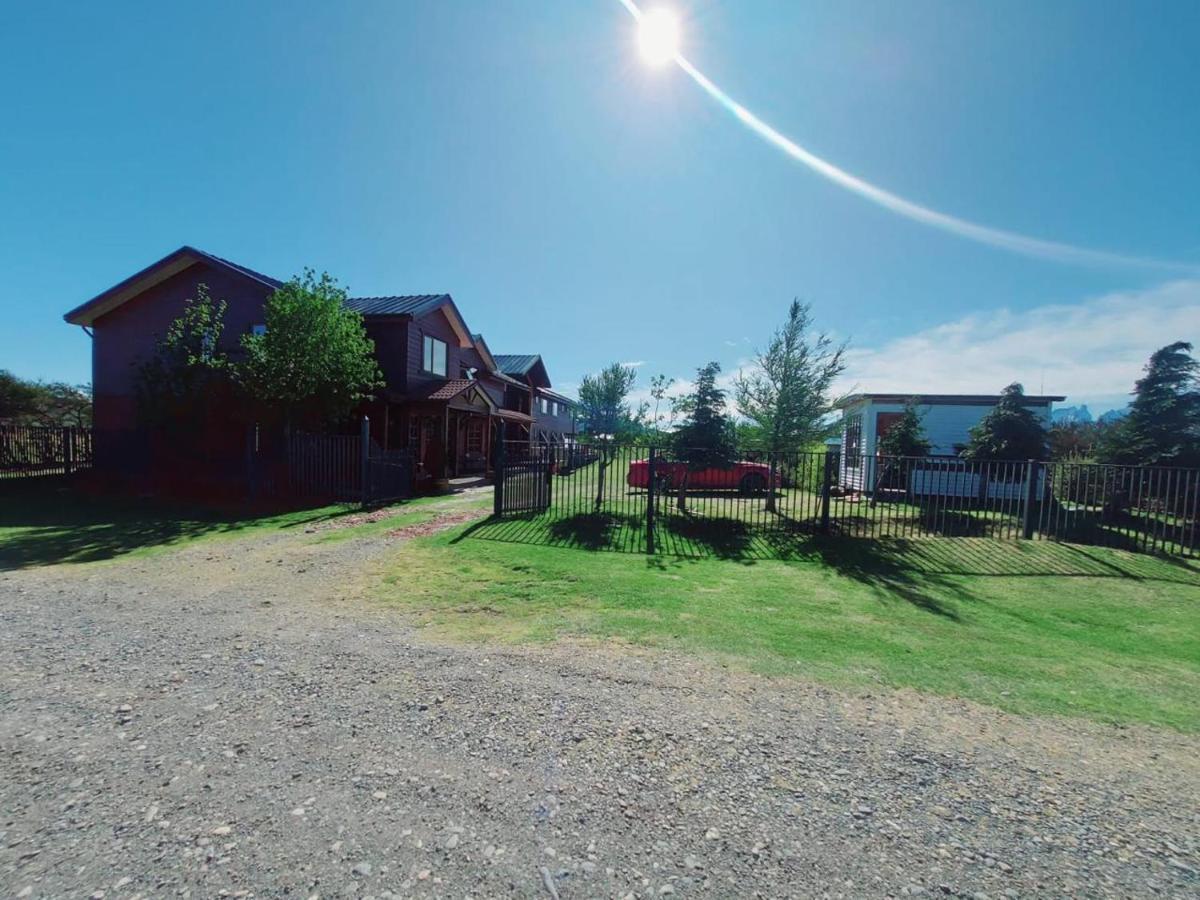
{"x": 48, "y": 521}
{"x": 926, "y": 572}
{"x": 707, "y": 538}
{"x": 606, "y": 531}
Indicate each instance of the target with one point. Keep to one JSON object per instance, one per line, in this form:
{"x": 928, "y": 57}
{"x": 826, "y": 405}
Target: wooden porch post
{"x": 445, "y": 442}
{"x": 487, "y": 445}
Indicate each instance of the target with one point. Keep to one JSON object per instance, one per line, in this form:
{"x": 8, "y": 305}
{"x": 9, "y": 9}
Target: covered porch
{"x": 448, "y": 429}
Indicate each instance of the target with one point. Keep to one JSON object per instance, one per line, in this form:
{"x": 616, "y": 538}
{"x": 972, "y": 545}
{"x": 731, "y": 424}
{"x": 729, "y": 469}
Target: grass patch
{"x": 45, "y": 521}
{"x": 1033, "y": 627}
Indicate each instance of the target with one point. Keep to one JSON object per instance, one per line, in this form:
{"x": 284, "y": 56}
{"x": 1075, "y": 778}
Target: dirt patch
{"x": 438, "y": 523}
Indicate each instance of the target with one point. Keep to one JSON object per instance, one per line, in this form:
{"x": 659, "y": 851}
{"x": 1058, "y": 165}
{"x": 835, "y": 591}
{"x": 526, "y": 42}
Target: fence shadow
{"x": 50, "y": 521}
{"x": 905, "y": 565}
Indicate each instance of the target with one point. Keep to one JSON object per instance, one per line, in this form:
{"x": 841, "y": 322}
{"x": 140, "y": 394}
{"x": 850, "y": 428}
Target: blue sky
{"x": 578, "y": 203}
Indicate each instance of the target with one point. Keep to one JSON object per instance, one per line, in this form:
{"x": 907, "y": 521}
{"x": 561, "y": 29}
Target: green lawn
{"x": 1027, "y": 626}
{"x": 44, "y": 521}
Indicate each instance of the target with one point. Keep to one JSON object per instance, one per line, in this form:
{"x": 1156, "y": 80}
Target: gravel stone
{"x": 123, "y": 683}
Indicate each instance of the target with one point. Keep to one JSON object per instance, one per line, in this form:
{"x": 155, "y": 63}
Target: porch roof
{"x": 511, "y": 415}
{"x": 443, "y": 392}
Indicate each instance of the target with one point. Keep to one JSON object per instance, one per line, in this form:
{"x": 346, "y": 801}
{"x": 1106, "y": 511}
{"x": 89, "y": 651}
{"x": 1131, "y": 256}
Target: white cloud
{"x": 1091, "y": 351}
{"x": 634, "y": 364}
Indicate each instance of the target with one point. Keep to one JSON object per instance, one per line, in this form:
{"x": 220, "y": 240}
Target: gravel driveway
{"x": 240, "y": 718}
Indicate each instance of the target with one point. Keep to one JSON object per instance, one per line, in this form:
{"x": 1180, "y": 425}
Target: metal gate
{"x": 388, "y": 475}
{"x": 523, "y": 479}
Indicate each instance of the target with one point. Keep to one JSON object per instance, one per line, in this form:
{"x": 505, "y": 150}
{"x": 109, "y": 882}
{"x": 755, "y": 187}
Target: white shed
{"x": 947, "y": 419}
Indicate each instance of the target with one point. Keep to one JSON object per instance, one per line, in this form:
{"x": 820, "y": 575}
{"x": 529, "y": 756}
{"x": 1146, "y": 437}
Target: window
{"x": 258, "y": 329}
{"x": 852, "y": 448}
{"x": 434, "y": 358}
{"x": 554, "y": 407}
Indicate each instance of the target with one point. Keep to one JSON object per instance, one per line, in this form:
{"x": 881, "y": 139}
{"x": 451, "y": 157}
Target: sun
{"x": 658, "y": 36}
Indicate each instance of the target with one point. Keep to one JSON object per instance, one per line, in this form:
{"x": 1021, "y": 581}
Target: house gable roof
{"x": 485, "y": 353}
{"x": 456, "y": 393}
{"x": 404, "y": 305}
{"x": 524, "y": 365}
{"x": 155, "y": 273}
{"x": 414, "y": 305}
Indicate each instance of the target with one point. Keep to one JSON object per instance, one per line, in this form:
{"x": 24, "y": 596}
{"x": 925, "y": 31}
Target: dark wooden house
{"x": 447, "y": 398}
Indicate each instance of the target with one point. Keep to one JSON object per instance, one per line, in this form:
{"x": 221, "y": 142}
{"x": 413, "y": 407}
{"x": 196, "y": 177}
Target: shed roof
{"x": 944, "y": 399}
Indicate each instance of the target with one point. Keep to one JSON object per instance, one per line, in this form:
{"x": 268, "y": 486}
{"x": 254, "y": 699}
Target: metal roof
{"x": 516, "y": 363}
{"x": 555, "y": 395}
{"x": 259, "y": 276}
{"x": 406, "y": 305}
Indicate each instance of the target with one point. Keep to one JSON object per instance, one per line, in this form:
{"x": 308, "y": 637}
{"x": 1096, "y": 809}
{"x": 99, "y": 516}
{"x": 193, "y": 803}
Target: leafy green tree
{"x": 787, "y": 391}
{"x": 605, "y": 415}
{"x": 786, "y": 394}
{"x": 188, "y": 372}
{"x": 18, "y": 398}
{"x": 706, "y": 437}
{"x": 1163, "y": 424}
{"x": 314, "y": 362}
{"x": 906, "y": 437}
{"x": 1010, "y": 431}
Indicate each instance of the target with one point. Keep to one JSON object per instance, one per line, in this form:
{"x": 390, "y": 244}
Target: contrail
{"x": 995, "y": 237}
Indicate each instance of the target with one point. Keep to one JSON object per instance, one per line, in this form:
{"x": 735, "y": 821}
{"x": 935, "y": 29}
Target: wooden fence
{"x": 29, "y": 451}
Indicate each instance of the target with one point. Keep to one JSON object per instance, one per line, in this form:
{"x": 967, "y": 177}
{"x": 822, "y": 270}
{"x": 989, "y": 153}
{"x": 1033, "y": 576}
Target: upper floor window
{"x": 434, "y": 358}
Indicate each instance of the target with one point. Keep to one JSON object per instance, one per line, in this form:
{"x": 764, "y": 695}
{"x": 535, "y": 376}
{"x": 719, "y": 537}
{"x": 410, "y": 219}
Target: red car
{"x": 747, "y": 477}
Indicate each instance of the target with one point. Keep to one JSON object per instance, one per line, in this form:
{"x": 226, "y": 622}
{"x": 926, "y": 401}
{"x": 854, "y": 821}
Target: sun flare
{"x": 658, "y": 36}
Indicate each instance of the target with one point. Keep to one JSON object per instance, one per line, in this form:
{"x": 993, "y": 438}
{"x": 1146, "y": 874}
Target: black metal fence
{"x": 350, "y": 468}
{"x": 643, "y": 498}
{"x": 247, "y": 462}
{"x": 31, "y": 451}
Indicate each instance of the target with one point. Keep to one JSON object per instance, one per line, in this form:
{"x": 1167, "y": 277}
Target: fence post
{"x": 650, "y": 503}
{"x": 68, "y": 450}
{"x": 498, "y": 490}
{"x": 1032, "y": 471}
{"x": 365, "y": 454}
{"x": 826, "y": 492}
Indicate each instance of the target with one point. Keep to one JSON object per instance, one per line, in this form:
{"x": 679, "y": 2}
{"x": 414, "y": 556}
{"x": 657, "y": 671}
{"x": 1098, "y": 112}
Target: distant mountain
{"x": 1070, "y": 414}
{"x": 1114, "y": 415}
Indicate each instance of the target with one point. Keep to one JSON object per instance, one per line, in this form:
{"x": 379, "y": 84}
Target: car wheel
{"x": 752, "y": 484}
